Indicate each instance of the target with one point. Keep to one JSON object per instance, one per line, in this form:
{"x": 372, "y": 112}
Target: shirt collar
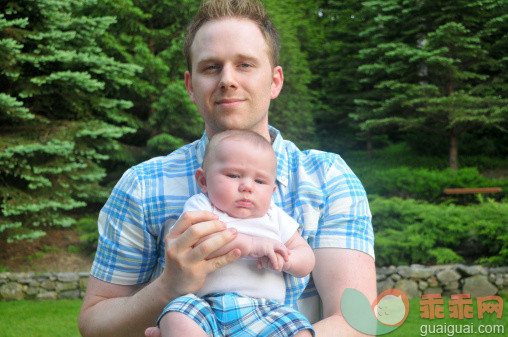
{"x": 281, "y": 153}
{"x": 201, "y": 147}
{"x": 278, "y": 147}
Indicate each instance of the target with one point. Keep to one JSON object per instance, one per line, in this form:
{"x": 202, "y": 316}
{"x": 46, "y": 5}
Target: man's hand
{"x": 186, "y": 265}
{"x": 118, "y": 310}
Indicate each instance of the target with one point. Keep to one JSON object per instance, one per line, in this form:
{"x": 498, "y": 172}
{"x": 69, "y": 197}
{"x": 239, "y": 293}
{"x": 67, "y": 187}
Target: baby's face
{"x": 240, "y": 179}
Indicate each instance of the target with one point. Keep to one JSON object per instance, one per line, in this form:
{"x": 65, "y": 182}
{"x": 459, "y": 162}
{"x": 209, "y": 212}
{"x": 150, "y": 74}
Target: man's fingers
{"x": 188, "y": 219}
{"x": 198, "y": 231}
{"x": 223, "y": 260}
{"x": 202, "y": 250}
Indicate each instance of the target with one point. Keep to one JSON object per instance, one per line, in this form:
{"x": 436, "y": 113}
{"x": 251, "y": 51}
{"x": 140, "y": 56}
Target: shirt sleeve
{"x": 126, "y": 251}
{"x": 287, "y": 225}
{"x": 345, "y": 221}
{"x": 198, "y": 202}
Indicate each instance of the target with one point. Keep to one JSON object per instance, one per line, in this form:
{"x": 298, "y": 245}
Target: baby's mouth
{"x": 244, "y": 203}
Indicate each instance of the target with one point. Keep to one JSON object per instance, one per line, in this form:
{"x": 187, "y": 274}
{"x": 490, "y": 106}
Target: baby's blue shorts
{"x": 232, "y": 314}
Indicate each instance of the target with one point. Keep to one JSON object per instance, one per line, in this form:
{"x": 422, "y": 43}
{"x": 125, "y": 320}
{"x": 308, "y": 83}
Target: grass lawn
{"x": 59, "y": 318}
{"x": 39, "y": 318}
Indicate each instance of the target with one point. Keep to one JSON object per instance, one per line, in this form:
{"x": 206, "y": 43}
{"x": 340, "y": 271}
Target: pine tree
{"x": 150, "y": 34}
{"x": 430, "y": 76}
{"x": 293, "y": 111}
{"x": 336, "y": 73}
{"x": 58, "y": 119}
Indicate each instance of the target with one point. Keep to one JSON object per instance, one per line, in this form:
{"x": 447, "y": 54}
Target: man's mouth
{"x": 229, "y": 102}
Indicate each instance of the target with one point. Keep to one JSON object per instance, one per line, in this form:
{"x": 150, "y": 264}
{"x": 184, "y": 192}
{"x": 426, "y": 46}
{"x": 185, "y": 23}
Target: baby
{"x": 237, "y": 179}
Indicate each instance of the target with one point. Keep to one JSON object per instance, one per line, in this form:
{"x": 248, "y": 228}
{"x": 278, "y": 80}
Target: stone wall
{"x": 50, "y": 286}
{"x": 417, "y": 280}
{"x": 414, "y": 280}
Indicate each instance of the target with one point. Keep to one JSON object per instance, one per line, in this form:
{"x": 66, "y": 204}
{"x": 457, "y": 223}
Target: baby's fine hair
{"x": 250, "y": 137}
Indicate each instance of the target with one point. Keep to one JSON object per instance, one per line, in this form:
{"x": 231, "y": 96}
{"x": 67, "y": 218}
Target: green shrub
{"x": 410, "y": 231}
{"x": 87, "y": 227}
{"x": 400, "y": 154}
{"x": 427, "y": 184}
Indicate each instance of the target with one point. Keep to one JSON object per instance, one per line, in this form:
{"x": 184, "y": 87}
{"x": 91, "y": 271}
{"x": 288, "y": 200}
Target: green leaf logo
{"x": 387, "y": 313}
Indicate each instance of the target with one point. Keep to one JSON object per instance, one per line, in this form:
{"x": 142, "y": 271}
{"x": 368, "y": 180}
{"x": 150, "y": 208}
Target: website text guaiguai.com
{"x": 461, "y": 329}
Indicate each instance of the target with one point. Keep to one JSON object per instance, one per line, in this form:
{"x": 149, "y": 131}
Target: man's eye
{"x": 211, "y": 68}
{"x": 245, "y": 65}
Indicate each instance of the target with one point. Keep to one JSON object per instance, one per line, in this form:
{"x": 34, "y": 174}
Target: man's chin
{"x": 231, "y": 125}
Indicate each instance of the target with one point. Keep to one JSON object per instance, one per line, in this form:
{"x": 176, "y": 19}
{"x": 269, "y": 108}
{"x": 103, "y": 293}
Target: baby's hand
{"x": 280, "y": 265}
{"x": 273, "y": 252}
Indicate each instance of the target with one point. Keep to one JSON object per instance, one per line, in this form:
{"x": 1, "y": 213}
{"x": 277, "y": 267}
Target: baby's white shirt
{"x": 243, "y": 275}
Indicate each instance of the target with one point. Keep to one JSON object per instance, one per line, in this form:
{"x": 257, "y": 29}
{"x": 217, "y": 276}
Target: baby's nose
{"x": 246, "y": 185}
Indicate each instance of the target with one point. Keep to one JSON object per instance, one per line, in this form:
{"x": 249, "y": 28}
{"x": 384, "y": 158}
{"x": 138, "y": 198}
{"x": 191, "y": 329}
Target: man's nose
{"x": 227, "y": 80}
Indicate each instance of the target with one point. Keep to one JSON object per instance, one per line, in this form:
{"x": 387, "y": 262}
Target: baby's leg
{"x": 177, "y": 324}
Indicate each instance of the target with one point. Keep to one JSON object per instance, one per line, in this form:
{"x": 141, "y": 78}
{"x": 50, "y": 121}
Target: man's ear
{"x": 188, "y": 86}
{"x": 277, "y": 82}
{"x": 201, "y": 179}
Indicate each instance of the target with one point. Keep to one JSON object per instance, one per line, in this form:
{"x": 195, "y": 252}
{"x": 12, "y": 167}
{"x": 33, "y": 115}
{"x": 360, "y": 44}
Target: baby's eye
{"x": 258, "y": 181}
{"x": 234, "y": 176}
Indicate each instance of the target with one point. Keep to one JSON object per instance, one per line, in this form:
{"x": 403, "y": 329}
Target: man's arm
{"x": 114, "y": 310}
{"x": 337, "y": 269}
{"x": 117, "y": 310}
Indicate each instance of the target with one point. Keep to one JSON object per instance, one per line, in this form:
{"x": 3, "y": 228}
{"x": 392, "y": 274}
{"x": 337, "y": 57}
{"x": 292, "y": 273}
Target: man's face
{"x": 240, "y": 179}
{"x": 232, "y": 80}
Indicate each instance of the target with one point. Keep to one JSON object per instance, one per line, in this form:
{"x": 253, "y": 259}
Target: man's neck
{"x": 264, "y": 131}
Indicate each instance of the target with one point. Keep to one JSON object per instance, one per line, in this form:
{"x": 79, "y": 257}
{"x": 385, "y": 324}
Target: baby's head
{"x": 238, "y": 173}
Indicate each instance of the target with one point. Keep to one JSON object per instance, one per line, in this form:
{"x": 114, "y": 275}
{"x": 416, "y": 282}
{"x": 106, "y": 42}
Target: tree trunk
{"x": 454, "y": 151}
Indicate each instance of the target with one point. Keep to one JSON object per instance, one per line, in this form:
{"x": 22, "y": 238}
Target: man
{"x": 145, "y": 258}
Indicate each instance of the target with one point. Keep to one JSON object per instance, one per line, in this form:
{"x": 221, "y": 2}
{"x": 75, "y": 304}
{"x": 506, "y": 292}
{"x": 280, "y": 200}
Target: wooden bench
{"x": 472, "y": 190}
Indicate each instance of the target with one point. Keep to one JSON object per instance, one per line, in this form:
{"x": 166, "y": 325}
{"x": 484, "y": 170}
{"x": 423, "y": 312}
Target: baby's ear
{"x": 201, "y": 179}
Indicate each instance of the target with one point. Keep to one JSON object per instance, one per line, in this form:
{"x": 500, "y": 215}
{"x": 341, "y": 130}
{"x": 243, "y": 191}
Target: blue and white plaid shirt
{"x": 316, "y": 188}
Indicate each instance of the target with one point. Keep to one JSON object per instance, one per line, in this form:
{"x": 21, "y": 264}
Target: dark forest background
{"x": 412, "y": 93}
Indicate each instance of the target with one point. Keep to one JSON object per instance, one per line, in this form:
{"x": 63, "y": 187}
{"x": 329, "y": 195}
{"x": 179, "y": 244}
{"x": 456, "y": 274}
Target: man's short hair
{"x": 246, "y": 136}
{"x": 246, "y": 9}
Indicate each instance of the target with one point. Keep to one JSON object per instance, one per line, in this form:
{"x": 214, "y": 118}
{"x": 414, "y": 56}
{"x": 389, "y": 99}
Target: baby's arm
{"x": 301, "y": 259}
{"x": 255, "y": 246}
